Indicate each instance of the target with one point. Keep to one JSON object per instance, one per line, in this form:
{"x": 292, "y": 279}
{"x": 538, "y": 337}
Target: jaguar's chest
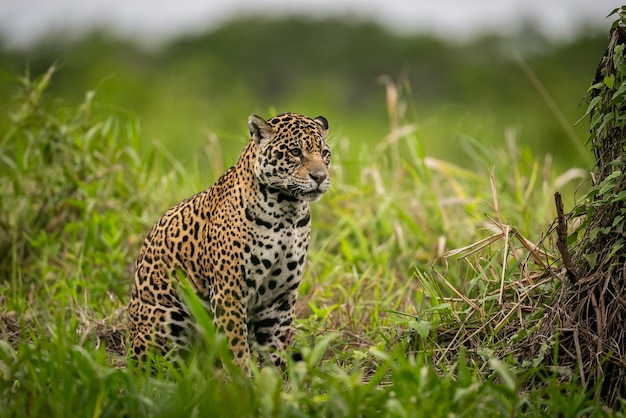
{"x": 274, "y": 257}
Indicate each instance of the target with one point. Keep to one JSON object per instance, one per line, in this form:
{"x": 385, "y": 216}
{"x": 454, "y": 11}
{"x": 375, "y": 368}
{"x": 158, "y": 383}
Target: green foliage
{"x": 603, "y": 205}
{"x": 54, "y": 377}
{"x": 371, "y": 295}
{"x": 69, "y": 179}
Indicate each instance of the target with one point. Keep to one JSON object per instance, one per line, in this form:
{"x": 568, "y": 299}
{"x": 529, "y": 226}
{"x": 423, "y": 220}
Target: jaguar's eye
{"x": 296, "y": 152}
{"x": 325, "y": 153}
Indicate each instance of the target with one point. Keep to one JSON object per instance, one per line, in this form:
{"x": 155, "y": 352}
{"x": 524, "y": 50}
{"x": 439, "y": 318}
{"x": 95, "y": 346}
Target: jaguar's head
{"x": 293, "y": 156}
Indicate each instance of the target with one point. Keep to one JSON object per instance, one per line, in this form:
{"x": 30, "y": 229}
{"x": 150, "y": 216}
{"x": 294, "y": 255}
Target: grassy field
{"x": 418, "y": 272}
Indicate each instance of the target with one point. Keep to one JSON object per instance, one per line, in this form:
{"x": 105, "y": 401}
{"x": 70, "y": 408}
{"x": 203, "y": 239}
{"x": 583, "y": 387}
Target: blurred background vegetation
{"x": 200, "y": 88}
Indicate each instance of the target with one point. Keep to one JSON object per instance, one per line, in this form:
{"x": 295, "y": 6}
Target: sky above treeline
{"x": 23, "y": 22}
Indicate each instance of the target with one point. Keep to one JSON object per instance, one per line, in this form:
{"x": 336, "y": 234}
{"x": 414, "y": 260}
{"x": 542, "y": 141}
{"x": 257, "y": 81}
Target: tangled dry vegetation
{"x": 563, "y": 308}
{"x": 589, "y": 311}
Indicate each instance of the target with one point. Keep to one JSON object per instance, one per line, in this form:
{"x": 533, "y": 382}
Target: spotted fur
{"x": 242, "y": 244}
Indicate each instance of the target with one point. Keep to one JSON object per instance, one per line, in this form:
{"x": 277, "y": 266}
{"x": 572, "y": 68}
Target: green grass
{"x": 391, "y": 320}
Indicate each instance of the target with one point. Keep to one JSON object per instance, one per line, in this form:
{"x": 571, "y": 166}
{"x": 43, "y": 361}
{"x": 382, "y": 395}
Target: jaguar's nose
{"x": 318, "y": 176}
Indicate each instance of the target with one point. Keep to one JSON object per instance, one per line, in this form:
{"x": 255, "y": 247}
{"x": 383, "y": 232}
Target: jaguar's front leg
{"x": 273, "y": 328}
{"x": 229, "y": 318}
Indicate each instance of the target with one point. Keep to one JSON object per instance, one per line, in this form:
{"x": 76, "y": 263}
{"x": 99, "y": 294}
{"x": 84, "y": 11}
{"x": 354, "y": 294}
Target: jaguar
{"x": 241, "y": 244}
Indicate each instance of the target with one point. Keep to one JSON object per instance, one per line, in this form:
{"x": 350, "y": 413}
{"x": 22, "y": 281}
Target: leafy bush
{"x": 71, "y": 188}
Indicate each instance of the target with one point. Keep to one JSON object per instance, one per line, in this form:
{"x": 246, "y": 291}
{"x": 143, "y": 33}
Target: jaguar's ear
{"x": 259, "y": 129}
{"x": 323, "y": 123}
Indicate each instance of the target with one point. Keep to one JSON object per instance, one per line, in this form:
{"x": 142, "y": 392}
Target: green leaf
{"x": 440, "y": 307}
{"x": 618, "y": 246}
{"x": 606, "y": 120}
{"x": 593, "y": 104}
{"x": 609, "y": 182}
{"x": 595, "y": 86}
{"x": 421, "y": 327}
{"x": 595, "y": 120}
{"x": 613, "y": 12}
{"x": 592, "y": 259}
{"x": 619, "y": 94}
{"x": 593, "y": 234}
{"x": 620, "y": 197}
{"x": 501, "y": 369}
{"x": 319, "y": 349}
{"x": 609, "y": 81}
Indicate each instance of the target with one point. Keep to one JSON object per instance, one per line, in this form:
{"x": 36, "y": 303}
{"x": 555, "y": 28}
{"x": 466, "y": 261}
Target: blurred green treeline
{"x": 204, "y": 86}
